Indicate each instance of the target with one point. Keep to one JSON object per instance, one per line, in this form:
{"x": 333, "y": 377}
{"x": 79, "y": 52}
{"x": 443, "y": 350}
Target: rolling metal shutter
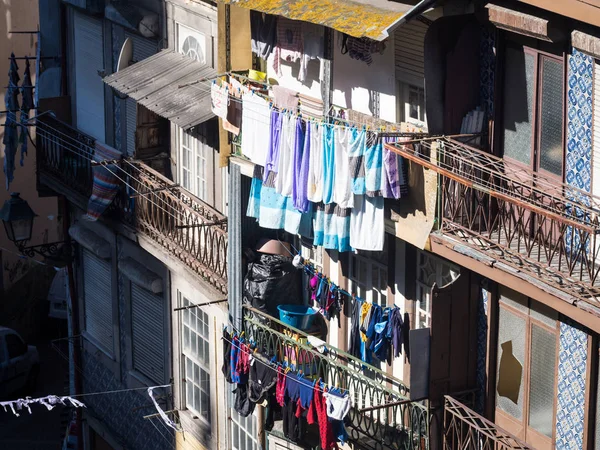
{"x": 142, "y": 48}
{"x": 98, "y": 302}
{"x": 89, "y": 88}
{"x": 409, "y": 45}
{"x": 147, "y": 330}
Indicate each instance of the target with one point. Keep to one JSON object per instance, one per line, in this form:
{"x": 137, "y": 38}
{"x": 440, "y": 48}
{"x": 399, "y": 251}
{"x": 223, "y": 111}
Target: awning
{"x": 374, "y": 19}
{"x": 154, "y": 83}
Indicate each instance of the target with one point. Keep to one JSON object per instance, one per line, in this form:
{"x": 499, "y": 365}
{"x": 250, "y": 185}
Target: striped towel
{"x": 332, "y": 227}
{"x": 106, "y": 184}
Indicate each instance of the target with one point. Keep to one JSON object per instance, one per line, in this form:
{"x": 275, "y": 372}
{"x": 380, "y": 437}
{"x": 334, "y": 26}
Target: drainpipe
{"x": 75, "y": 329}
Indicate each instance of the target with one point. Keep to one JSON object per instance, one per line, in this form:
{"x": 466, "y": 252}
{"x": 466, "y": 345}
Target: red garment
{"x": 243, "y": 362}
{"x": 280, "y": 387}
{"x": 299, "y": 409}
{"x": 317, "y": 413}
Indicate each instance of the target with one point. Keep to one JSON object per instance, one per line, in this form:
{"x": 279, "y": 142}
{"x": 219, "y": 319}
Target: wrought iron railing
{"x": 403, "y": 425}
{"x": 537, "y": 225}
{"x": 148, "y": 201}
{"x": 464, "y": 429}
{"x": 64, "y": 153}
{"x": 178, "y": 221}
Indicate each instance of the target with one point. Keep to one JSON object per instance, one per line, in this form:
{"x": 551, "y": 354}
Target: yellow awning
{"x": 374, "y": 19}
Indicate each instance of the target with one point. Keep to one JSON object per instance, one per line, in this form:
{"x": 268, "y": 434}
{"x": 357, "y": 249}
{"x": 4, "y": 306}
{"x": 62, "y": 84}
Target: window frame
{"x": 404, "y": 104}
{"x": 528, "y": 433}
{"x": 424, "y": 289}
{"x": 194, "y": 149}
{"x": 203, "y": 366}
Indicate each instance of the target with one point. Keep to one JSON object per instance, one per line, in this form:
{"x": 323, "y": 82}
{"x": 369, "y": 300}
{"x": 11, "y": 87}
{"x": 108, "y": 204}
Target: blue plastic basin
{"x": 297, "y": 316}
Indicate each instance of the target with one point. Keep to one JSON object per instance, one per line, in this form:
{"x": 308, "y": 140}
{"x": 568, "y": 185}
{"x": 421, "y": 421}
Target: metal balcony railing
{"x": 64, "y": 154}
{"x": 464, "y": 429}
{"x": 530, "y": 222}
{"x": 403, "y": 425}
{"x": 149, "y": 202}
{"x": 180, "y": 222}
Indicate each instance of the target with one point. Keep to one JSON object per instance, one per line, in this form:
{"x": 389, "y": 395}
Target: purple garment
{"x": 300, "y": 176}
{"x": 274, "y": 144}
{"x": 397, "y": 331}
{"x": 395, "y": 177}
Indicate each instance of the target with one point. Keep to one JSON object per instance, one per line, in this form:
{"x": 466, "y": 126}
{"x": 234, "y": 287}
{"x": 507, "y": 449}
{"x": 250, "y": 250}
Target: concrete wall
{"x": 22, "y": 15}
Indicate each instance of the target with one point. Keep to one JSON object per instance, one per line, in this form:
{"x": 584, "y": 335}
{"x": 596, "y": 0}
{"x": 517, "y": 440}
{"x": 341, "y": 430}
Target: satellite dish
{"x": 126, "y": 55}
{"x": 125, "y": 59}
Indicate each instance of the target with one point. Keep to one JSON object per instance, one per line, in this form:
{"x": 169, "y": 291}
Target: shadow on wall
{"x": 22, "y": 15}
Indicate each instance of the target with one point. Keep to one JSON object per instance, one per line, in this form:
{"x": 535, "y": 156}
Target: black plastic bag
{"x": 272, "y": 280}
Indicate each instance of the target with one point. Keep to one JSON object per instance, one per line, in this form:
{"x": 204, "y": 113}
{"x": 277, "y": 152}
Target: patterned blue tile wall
{"x": 123, "y": 413}
{"x": 578, "y": 167}
{"x": 487, "y": 69}
{"x": 572, "y": 366}
{"x": 572, "y": 356}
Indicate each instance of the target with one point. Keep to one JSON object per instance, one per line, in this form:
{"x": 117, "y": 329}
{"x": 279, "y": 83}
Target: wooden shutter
{"x": 142, "y": 48}
{"x": 409, "y": 45}
{"x": 147, "y": 333}
{"x": 89, "y": 88}
{"x": 98, "y": 304}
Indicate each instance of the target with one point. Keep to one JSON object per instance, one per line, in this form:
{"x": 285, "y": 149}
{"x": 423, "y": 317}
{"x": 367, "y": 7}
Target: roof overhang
{"x": 374, "y": 19}
{"x": 161, "y": 83}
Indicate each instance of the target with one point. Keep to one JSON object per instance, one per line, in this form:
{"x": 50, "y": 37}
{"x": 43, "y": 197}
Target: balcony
{"x": 401, "y": 425}
{"x": 530, "y": 223}
{"x": 148, "y": 202}
{"x": 464, "y": 429}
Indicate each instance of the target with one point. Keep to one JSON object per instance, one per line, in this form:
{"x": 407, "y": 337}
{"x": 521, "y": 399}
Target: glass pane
{"x": 236, "y": 437}
{"x": 190, "y": 395}
{"x": 551, "y": 145}
{"x": 511, "y": 360}
{"x": 197, "y": 399}
{"x": 541, "y": 383}
{"x": 518, "y": 104}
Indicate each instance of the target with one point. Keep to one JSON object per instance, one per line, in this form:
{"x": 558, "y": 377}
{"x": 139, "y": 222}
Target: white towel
{"x": 367, "y": 230}
{"x": 255, "y": 128}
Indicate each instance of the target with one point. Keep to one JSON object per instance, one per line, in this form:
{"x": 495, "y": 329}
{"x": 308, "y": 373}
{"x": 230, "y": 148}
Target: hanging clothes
{"x": 285, "y": 169}
{"x": 255, "y": 126}
{"x": 317, "y": 413}
{"x": 233, "y": 124}
{"x": 263, "y": 33}
{"x": 397, "y": 325}
{"x": 356, "y": 154}
{"x": 261, "y": 380}
{"x": 253, "y": 209}
{"x": 329, "y": 167}
{"x": 406, "y": 335}
{"x": 382, "y": 340}
{"x": 226, "y": 368}
{"x": 311, "y": 107}
{"x": 331, "y": 226}
{"x": 280, "y": 386}
{"x": 365, "y": 315}
{"x": 290, "y": 44}
{"x": 374, "y": 165}
{"x": 342, "y": 194}
{"x": 273, "y": 151}
{"x": 242, "y": 404}
{"x": 314, "y": 43}
{"x": 355, "y": 340}
{"x": 338, "y": 405}
{"x": 284, "y": 98}
{"x": 395, "y": 175}
{"x": 234, "y": 355}
{"x": 361, "y": 49}
{"x": 219, "y": 99}
{"x": 315, "y": 164}
{"x": 301, "y": 163}
{"x": 276, "y": 211}
{"x": 367, "y": 226}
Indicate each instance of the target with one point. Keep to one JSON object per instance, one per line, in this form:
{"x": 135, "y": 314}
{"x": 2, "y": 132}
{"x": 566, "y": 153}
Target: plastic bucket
{"x": 297, "y": 316}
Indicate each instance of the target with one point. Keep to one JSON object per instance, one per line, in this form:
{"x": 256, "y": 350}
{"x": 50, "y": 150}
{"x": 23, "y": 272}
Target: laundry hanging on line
{"x": 49, "y": 401}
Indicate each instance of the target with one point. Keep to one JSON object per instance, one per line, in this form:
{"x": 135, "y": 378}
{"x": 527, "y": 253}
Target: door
{"x": 88, "y": 60}
{"x": 526, "y": 369}
{"x": 533, "y": 126}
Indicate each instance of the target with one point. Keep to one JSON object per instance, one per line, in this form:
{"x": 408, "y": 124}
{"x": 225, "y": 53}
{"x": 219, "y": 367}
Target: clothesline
{"x": 310, "y": 385}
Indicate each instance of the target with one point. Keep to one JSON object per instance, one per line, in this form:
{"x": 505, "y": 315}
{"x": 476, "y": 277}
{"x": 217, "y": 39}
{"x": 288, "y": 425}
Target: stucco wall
{"x": 22, "y": 15}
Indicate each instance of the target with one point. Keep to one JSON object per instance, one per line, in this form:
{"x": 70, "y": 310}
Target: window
{"x": 191, "y": 43}
{"x": 243, "y": 429}
{"x": 430, "y": 271}
{"x": 533, "y": 110}
{"x": 193, "y": 164}
{"x": 369, "y": 276}
{"x": 526, "y": 368}
{"x": 196, "y": 360}
{"x": 98, "y": 300}
{"x": 16, "y": 347}
{"x": 412, "y": 105}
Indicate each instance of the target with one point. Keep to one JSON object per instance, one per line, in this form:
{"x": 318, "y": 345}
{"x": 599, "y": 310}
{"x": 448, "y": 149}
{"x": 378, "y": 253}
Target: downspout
{"x": 75, "y": 326}
{"x": 162, "y": 17}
